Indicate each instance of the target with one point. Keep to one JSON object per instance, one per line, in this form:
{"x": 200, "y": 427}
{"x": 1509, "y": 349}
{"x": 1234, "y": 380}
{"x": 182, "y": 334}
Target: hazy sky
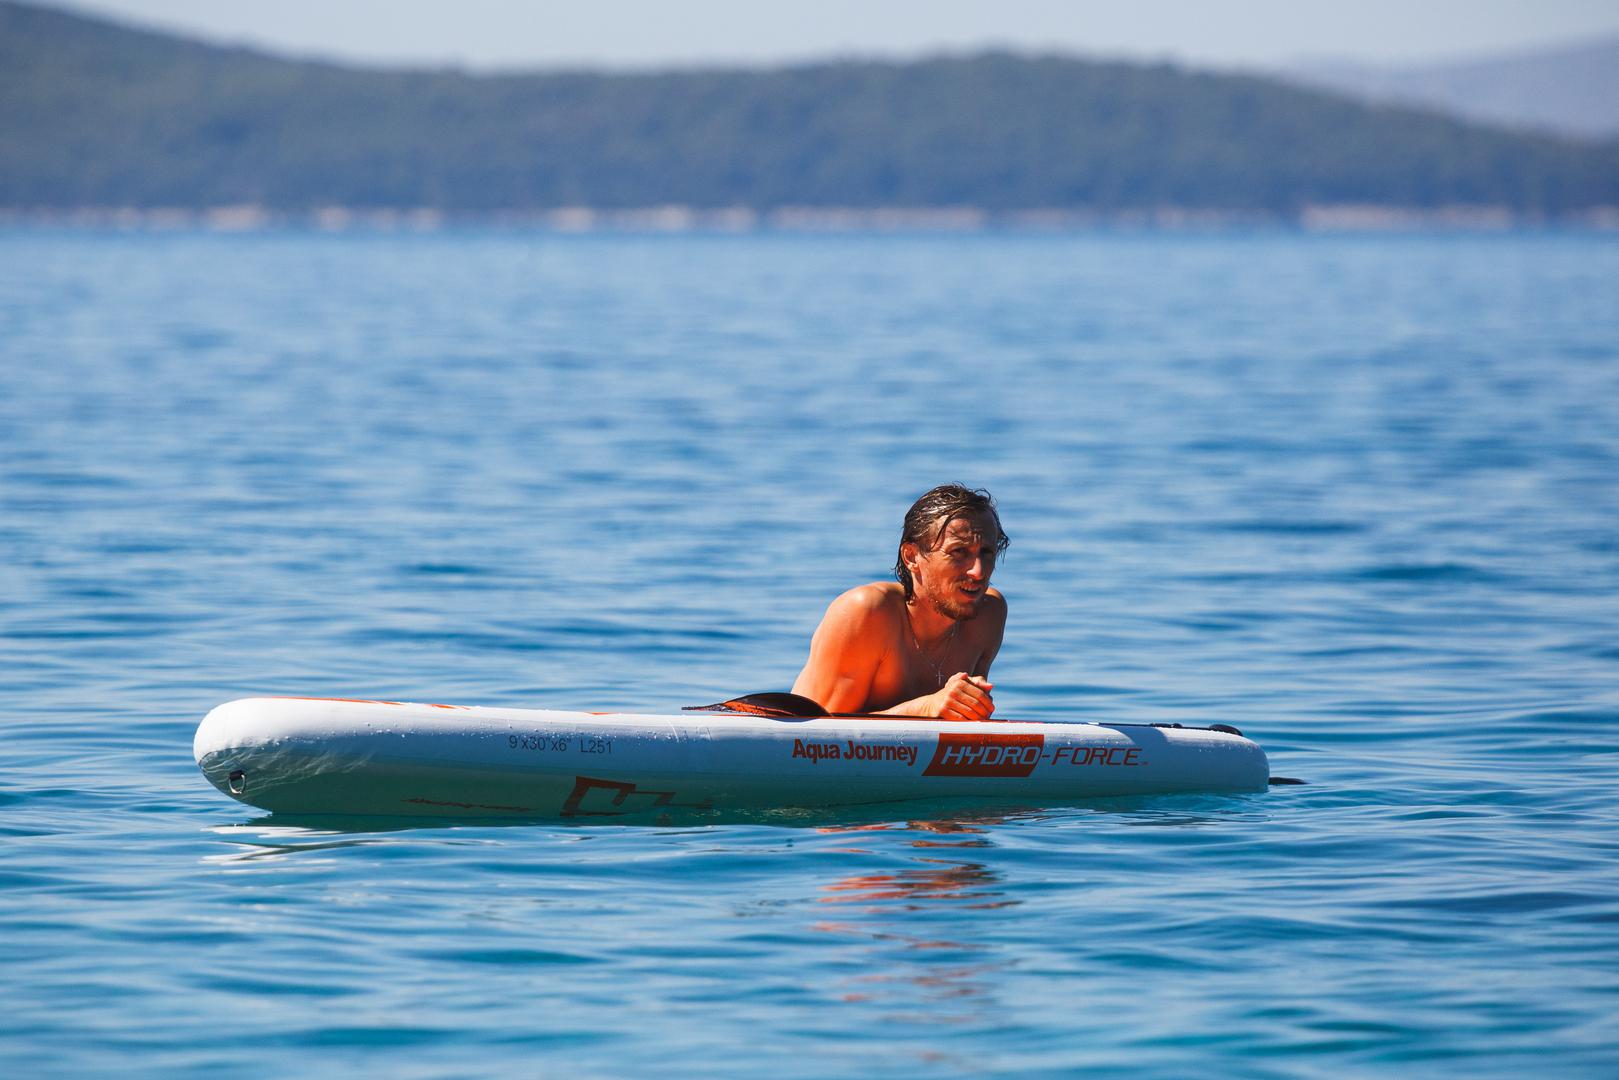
{"x": 530, "y": 33}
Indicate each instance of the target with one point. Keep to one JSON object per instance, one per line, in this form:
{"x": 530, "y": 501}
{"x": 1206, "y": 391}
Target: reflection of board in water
{"x": 321, "y": 755}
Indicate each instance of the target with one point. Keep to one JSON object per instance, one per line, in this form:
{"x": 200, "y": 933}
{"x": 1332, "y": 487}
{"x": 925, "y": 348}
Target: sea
{"x": 1355, "y": 494}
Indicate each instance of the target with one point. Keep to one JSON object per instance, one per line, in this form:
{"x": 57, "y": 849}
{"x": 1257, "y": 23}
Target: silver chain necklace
{"x": 937, "y": 664}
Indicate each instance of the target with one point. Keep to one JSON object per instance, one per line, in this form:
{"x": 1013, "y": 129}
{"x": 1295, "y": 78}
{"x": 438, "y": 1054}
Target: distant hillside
{"x": 1573, "y": 89}
{"x": 98, "y": 115}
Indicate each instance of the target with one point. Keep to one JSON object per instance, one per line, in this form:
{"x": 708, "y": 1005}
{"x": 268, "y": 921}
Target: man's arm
{"x": 963, "y": 697}
{"x": 845, "y": 652}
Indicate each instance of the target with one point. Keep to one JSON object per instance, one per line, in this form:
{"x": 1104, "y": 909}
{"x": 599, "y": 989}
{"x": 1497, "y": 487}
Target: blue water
{"x": 1356, "y": 495}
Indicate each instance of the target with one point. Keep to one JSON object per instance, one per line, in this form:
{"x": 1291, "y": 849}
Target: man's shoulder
{"x": 995, "y": 609}
{"x": 865, "y": 613}
{"x": 875, "y": 598}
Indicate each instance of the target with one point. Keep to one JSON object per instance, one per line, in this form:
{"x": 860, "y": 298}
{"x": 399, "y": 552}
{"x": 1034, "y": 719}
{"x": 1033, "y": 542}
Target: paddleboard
{"x": 340, "y": 756}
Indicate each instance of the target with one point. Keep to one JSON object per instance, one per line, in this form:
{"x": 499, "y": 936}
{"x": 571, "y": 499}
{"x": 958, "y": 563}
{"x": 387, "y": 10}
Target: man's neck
{"x": 928, "y": 623}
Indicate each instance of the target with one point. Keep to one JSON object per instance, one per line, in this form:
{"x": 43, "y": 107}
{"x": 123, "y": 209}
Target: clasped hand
{"x": 963, "y": 697}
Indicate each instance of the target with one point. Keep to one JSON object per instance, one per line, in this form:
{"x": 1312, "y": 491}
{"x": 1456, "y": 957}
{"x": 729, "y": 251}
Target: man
{"x": 920, "y": 646}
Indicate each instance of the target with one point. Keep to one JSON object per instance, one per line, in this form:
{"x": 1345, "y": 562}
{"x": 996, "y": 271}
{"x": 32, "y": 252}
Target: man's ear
{"x": 910, "y": 555}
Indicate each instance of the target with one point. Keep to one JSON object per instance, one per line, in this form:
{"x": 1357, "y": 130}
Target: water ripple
{"x": 1353, "y": 495}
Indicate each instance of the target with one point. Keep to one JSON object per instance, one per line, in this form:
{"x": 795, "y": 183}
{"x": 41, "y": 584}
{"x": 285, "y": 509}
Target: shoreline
{"x": 1329, "y": 218}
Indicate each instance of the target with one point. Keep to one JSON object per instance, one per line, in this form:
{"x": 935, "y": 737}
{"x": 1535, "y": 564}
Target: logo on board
{"x": 985, "y": 755}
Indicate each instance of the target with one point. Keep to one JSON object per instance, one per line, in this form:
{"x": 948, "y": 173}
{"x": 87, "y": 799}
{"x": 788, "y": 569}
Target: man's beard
{"x": 952, "y": 606}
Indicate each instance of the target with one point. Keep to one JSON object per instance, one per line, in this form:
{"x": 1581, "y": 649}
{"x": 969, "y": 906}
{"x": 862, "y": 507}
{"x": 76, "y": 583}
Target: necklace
{"x": 936, "y": 663}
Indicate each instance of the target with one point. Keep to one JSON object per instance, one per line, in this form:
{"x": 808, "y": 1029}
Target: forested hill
{"x": 98, "y": 115}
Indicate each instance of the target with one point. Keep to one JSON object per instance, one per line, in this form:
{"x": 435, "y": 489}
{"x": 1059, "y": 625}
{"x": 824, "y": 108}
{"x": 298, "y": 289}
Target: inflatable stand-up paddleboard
{"x": 332, "y": 756}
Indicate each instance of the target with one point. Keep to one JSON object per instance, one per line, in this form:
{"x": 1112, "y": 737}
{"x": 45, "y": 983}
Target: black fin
{"x": 1286, "y": 780}
{"x": 779, "y": 706}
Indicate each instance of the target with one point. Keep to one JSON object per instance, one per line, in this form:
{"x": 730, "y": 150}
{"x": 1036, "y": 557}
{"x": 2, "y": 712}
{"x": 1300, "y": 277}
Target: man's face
{"x": 954, "y": 575}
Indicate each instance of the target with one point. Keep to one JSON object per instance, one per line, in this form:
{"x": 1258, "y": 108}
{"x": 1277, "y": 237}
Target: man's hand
{"x": 963, "y": 697}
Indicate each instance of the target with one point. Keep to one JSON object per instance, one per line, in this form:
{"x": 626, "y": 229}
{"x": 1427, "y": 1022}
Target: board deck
{"x": 350, "y": 756}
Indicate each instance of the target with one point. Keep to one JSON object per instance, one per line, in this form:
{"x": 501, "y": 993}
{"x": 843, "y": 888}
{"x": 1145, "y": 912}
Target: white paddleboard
{"x": 332, "y": 756}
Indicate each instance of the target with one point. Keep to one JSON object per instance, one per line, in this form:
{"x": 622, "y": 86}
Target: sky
{"x": 503, "y": 34}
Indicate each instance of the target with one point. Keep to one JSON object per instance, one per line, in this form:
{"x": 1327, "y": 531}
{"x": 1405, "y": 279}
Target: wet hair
{"x": 931, "y": 515}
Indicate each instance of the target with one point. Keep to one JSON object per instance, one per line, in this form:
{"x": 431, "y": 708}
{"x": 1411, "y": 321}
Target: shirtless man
{"x": 921, "y": 646}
